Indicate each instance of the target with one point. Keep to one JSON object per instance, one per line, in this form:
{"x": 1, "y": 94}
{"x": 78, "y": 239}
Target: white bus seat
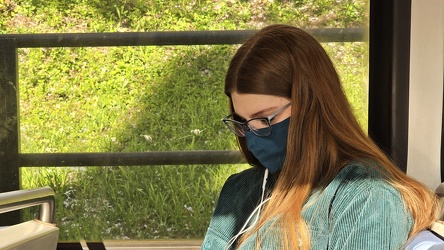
{"x": 35, "y": 234}
{"x": 432, "y": 239}
{"x": 30, "y": 235}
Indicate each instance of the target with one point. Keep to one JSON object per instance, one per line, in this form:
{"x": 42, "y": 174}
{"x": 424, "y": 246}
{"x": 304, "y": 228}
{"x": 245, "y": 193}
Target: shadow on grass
{"x": 180, "y": 109}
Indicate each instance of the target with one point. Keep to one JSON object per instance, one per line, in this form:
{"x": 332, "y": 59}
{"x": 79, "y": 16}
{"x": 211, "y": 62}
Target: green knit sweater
{"x": 357, "y": 210}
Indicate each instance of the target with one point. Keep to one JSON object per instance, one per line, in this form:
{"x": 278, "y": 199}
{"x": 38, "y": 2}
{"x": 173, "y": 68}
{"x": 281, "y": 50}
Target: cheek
{"x": 287, "y": 113}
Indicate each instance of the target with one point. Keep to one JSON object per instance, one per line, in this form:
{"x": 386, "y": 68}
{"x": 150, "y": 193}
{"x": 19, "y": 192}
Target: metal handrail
{"x": 19, "y": 199}
{"x": 159, "y": 38}
{"x": 132, "y": 158}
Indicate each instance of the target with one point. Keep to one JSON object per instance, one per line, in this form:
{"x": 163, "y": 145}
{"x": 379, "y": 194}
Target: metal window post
{"x": 9, "y": 127}
{"x": 389, "y": 77}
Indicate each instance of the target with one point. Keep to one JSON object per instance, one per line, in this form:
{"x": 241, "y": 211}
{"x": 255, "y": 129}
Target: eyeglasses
{"x": 259, "y": 126}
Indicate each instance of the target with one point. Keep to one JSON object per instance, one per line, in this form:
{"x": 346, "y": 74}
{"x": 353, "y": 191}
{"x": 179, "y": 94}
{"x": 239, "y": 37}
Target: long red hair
{"x": 324, "y": 135}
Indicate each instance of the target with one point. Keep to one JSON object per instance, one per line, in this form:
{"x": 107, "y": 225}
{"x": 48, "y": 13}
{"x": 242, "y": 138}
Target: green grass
{"x": 134, "y": 99}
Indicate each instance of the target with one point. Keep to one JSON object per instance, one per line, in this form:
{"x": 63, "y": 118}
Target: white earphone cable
{"x": 257, "y": 211}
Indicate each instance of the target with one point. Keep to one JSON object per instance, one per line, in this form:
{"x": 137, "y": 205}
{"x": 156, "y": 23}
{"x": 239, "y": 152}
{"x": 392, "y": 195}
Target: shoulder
{"x": 250, "y": 174}
{"x": 243, "y": 181}
{"x": 358, "y": 191}
{"x": 237, "y": 199}
{"x": 359, "y": 178}
{"x": 361, "y": 184}
{"x": 356, "y": 169}
{"x": 240, "y": 193}
{"x": 365, "y": 200}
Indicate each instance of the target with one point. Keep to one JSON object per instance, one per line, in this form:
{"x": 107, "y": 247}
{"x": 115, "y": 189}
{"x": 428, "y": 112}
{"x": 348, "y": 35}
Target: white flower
{"x": 189, "y": 208}
{"x": 196, "y": 131}
{"x": 147, "y": 137}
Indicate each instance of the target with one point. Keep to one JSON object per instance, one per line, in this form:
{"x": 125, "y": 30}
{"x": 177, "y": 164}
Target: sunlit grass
{"x": 134, "y": 99}
{"x": 151, "y": 202}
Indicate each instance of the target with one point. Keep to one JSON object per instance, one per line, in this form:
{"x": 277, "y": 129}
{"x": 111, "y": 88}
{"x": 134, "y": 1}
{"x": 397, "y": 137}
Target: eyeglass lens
{"x": 259, "y": 126}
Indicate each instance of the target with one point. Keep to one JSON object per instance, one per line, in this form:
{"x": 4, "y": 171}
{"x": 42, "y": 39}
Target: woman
{"x": 319, "y": 182}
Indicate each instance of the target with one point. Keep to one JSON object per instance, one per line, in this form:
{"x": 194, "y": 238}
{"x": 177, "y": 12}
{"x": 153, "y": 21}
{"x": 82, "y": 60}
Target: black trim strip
{"x": 442, "y": 142}
{"x": 96, "y": 245}
{"x": 78, "y": 246}
{"x": 437, "y": 235}
{"x": 69, "y": 246}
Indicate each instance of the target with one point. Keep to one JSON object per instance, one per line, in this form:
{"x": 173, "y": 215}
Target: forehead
{"x": 245, "y": 105}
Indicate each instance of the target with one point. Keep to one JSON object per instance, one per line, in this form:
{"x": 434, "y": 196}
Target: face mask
{"x": 270, "y": 150}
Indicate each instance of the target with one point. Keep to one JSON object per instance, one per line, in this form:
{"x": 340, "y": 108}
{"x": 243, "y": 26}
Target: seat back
{"x": 35, "y": 234}
{"x": 428, "y": 239}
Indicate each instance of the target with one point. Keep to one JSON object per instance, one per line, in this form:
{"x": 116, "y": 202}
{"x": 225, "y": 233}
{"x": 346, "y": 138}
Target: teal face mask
{"x": 270, "y": 150}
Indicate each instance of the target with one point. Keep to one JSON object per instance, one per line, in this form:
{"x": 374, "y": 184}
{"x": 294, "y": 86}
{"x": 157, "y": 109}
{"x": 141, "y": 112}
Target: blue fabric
{"x": 270, "y": 150}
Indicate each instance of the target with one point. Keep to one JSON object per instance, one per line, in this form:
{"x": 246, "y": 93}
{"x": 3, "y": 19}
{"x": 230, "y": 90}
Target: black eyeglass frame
{"x": 246, "y": 128}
